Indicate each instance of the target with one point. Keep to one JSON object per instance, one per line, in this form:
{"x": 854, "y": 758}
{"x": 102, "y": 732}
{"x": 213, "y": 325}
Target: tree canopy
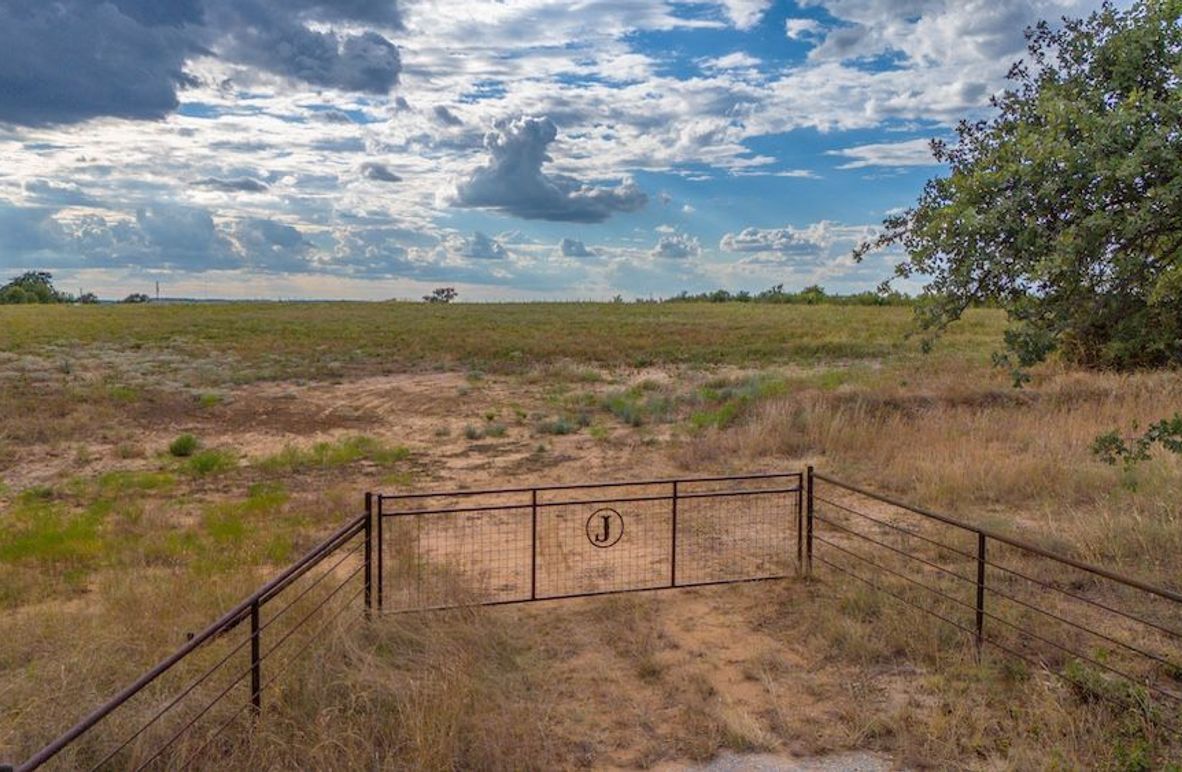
{"x": 1065, "y": 208}
{"x": 32, "y": 287}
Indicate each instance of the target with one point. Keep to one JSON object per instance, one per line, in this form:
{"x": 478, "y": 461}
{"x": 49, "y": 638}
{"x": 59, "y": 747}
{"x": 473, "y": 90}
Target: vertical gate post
{"x": 673, "y": 553}
{"x": 533, "y": 544}
{"x": 368, "y": 554}
{"x": 256, "y": 662}
{"x": 809, "y": 527}
{"x": 980, "y": 592}
{"x": 800, "y": 526}
{"x": 381, "y": 549}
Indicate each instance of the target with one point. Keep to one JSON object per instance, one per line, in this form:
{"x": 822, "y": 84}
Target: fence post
{"x": 673, "y": 553}
{"x": 256, "y": 662}
{"x": 533, "y": 541}
{"x": 980, "y": 592}
{"x": 800, "y": 527}
{"x": 381, "y": 549}
{"x": 809, "y": 527}
{"x": 368, "y": 554}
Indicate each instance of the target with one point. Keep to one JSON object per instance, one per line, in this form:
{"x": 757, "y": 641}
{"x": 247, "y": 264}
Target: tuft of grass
{"x": 559, "y": 426}
{"x": 211, "y": 461}
{"x": 37, "y": 530}
{"x": 324, "y": 455}
{"x": 127, "y": 450}
{"x": 210, "y": 399}
{"x": 124, "y": 394}
{"x": 641, "y": 404}
{"x": 183, "y": 446}
{"x": 727, "y": 401}
{"x": 122, "y": 482}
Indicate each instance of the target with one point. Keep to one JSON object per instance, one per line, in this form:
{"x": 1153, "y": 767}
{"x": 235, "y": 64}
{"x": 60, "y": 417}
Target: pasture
{"x": 108, "y": 518}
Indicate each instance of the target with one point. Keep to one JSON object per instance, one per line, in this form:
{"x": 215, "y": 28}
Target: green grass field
{"x": 325, "y": 339}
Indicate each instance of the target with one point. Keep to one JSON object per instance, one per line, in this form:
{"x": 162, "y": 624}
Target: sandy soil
{"x": 707, "y": 634}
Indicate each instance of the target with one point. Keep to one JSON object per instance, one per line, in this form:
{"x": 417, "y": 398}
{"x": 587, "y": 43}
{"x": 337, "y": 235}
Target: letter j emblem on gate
{"x": 604, "y": 528}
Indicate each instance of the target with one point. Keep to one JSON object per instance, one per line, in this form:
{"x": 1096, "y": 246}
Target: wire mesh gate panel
{"x": 444, "y": 549}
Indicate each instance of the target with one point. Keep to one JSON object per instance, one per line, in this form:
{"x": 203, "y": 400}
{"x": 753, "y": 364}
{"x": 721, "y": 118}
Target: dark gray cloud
{"x": 272, "y": 246}
{"x": 677, "y": 246}
{"x": 373, "y": 170}
{"x": 574, "y": 248}
{"x": 513, "y": 181}
{"x": 70, "y": 60}
{"x": 57, "y": 194}
{"x": 446, "y": 116}
{"x": 266, "y": 36}
{"x": 176, "y": 236}
{"x": 67, "y": 61}
{"x": 239, "y": 185}
{"x": 24, "y": 230}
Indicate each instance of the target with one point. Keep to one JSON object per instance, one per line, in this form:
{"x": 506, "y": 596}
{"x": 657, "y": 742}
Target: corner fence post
{"x": 256, "y": 662}
{"x": 533, "y": 542}
{"x": 980, "y": 592}
{"x": 368, "y": 555}
{"x": 809, "y": 527}
{"x": 673, "y": 552}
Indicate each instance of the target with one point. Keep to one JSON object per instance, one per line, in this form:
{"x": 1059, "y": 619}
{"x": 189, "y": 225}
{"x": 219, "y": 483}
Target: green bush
{"x": 211, "y": 462}
{"x": 183, "y": 446}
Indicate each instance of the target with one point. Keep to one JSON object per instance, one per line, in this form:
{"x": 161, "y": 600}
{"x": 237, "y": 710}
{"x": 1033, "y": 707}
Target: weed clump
{"x": 325, "y": 455}
{"x": 183, "y": 446}
{"x": 211, "y": 462}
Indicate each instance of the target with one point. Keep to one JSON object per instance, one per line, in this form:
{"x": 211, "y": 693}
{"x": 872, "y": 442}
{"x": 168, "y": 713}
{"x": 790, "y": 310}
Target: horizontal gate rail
{"x": 520, "y": 544}
{"x": 575, "y": 502}
{"x": 581, "y": 486}
{"x": 736, "y": 532}
{"x": 1033, "y": 612}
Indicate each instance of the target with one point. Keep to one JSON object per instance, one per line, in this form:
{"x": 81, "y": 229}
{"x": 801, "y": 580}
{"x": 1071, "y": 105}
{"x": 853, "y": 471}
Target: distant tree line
{"x": 812, "y": 295}
{"x": 37, "y": 287}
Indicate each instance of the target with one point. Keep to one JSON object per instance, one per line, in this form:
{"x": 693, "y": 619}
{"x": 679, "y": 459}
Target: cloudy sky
{"x": 512, "y": 148}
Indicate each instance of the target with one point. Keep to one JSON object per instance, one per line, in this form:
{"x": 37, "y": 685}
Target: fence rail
{"x": 302, "y": 595}
{"x": 1111, "y": 637}
{"x": 514, "y": 545}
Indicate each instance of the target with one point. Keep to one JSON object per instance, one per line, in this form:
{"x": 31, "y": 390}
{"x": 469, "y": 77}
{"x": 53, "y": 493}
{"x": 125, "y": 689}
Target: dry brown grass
{"x": 793, "y": 667}
{"x": 967, "y": 442}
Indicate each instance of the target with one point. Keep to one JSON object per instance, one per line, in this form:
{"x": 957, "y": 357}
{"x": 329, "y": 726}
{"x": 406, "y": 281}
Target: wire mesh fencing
{"x": 524, "y": 544}
{"x": 1112, "y": 638}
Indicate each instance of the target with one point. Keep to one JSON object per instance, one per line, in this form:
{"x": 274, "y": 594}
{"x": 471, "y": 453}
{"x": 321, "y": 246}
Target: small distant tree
{"x": 31, "y": 287}
{"x": 441, "y": 295}
{"x": 136, "y": 297}
{"x": 813, "y": 294}
{"x": 88, "y": 298}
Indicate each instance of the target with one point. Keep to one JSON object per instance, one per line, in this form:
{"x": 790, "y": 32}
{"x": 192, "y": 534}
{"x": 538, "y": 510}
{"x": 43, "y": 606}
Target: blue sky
{"x": 514, "y": 149}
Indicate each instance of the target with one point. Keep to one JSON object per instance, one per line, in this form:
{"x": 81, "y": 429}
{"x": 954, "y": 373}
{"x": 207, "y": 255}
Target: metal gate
{"x": 511, "y": 545}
